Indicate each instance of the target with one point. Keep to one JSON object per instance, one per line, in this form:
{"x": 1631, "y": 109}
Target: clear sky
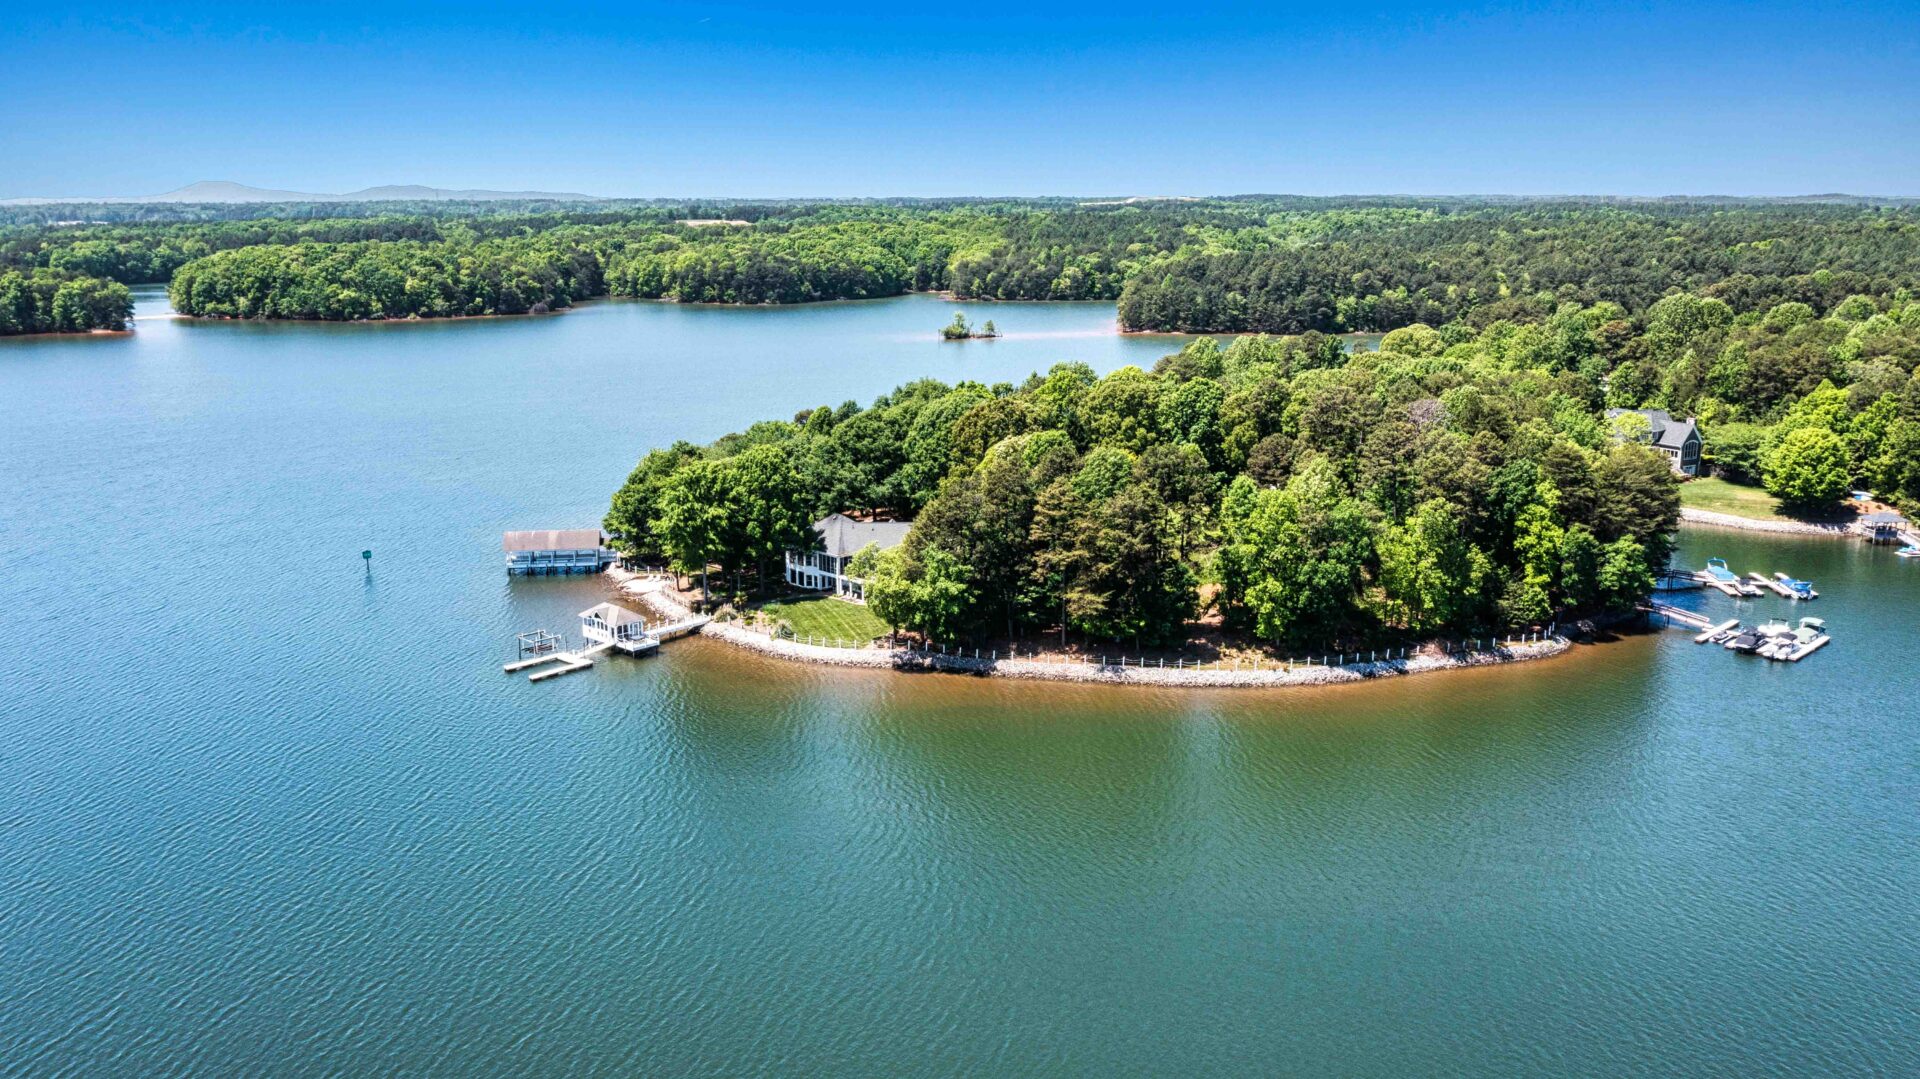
{"x": 965, "y": 99}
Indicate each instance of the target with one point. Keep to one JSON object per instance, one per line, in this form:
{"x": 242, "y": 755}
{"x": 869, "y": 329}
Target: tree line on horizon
{"x": 1253, "y": 264}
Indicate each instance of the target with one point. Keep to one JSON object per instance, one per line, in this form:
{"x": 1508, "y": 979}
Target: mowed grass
{"x": 834, "y": 619}
{"x": 1718, "y": 496}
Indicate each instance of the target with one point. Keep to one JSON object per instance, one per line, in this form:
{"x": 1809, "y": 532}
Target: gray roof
{"x": 615, "y": 614}
{"x": 1885, "y": 518}
{"x": 552, "y": 539}
{"x": 843, "y": 537}
{"x": 1667, "y": 432}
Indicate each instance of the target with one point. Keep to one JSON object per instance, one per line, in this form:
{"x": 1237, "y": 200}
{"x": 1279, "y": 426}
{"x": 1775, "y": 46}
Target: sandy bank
{"x": 655, "y": 593}
{"x": 1710, "y": 519}
{"x": 1112, "y": 674}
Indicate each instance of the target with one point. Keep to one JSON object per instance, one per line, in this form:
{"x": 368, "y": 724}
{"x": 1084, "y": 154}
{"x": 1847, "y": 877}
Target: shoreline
{"x": 1711, "y": 519}
{"x": 69, "y": 334}
{"x": 652, "y": 592}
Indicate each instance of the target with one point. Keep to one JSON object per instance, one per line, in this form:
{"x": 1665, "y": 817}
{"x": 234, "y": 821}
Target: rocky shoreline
{"x": 653, "y": 592}
{"x": 1710, "y": 519}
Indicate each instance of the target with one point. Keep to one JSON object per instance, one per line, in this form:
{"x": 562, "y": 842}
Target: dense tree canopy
{"x": 1760, "y": 318}
{"x": 1253, "y": 264}
{"x": 1406, "y": 491}
{"x": 55, "y": 301}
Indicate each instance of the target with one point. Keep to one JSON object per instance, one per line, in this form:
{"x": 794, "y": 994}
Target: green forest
{"x": 1459, "y": 478}
{"x": 1253, "y": 264}
{"x": 1307, "y": 497}
{"x": 56, "y": 301}
{"x": 1788, "y": 328}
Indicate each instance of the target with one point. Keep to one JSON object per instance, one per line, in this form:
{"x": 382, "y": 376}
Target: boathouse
{"x": 610, "y": 623}
{"x": 840, "y": 538}
{"x": 1679, "y": 440}
{"x": 563, "y": 550}
{"x": 1882, "y": 527}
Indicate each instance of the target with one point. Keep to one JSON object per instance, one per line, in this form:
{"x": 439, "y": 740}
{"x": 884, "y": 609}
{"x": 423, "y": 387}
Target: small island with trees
{"x": 962, "y": 330}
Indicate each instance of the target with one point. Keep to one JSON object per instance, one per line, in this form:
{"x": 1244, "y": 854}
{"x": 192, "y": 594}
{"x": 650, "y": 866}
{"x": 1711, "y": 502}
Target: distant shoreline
{"x": 68, "y": 334}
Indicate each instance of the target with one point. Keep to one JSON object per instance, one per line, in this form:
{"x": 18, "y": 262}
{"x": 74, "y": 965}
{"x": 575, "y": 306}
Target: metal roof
{"x": 1662, "y": 429}
{"x": 552, "y": 539}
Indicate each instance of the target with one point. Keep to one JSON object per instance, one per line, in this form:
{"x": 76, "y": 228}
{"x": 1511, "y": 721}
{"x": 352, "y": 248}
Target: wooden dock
{"x": 557, "y": 664}
{"x": 1807, "y": 649}
{"x": 569, "y": 662}
{"x": 1714, "y": 631}
{"x": 1677, "y": 614}
{"x": 1778, "y": 587}
{"x": 1731, "y": 588}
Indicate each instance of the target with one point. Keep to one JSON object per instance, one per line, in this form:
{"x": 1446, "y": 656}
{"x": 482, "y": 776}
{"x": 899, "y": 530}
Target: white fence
{"x": 1462, "y": 647}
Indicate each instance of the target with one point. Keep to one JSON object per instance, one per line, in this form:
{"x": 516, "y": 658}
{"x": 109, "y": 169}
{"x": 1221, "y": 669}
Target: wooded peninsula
{"x": 1464, "y": 475}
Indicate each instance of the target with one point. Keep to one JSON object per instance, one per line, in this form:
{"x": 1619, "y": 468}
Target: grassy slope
{"x": 828, "y": 618}
{"x": 1719, "y": 496}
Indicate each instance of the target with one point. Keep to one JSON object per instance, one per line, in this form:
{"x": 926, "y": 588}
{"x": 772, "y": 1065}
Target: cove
{"x": 265, "y": 812}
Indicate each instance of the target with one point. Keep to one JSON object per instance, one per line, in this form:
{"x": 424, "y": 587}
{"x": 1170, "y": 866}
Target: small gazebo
{"x": 612, "y": 624}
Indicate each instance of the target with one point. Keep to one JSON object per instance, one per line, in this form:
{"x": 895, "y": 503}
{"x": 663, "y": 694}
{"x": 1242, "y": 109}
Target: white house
{"x": 1678, "y": 439}
{"x": 841, "y": 537}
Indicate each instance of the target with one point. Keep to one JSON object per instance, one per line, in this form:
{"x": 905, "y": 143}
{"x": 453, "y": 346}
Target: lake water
{"x": 264, "y": 812}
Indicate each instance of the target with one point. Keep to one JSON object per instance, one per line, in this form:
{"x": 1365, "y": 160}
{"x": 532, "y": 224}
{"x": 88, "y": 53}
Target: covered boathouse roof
{"x": 843, "y": 537}
{"x": 613, "y": 614}
{"x": 552, "y": 539}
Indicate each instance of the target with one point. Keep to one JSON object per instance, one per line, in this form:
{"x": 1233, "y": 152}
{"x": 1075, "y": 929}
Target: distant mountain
{"x": 227, "y": 191}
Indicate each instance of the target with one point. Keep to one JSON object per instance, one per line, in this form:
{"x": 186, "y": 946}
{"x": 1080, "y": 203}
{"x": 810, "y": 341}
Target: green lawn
{"x": 1719, "y": 496}
{"x": 830, "y": 618}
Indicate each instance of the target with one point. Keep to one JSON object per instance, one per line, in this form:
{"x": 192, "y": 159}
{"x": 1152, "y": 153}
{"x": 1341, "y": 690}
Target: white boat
{"x": 1810, "y": 635}
{"x": 1772, "y": 634}
{"x": 1908, "y": 552}
{"x": 1793, "y": 587}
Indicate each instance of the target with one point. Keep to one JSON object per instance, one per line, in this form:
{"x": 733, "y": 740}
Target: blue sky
{"x": 748, "y": 99}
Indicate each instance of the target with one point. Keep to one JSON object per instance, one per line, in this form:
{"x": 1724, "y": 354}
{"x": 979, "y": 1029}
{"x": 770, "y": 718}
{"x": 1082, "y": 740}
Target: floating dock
{"x": 607, "y": 627}
{"x": 569, "y": 662}
{"x": 1807, "y": 649}
{"x": 1719, "y": 631}
{"x": 1678, "y": 614}
{"x": 1794, "y": 588}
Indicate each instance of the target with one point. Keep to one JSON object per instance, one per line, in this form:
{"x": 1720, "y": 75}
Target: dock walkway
{"x": 569, "y": 662}
{"x": 1677, "y": 614}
